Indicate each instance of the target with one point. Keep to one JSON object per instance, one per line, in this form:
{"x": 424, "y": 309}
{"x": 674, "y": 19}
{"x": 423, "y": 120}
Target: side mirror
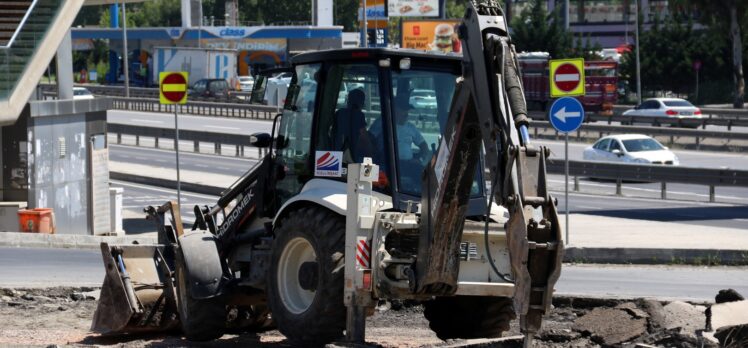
{"x": 260, "y": 140}
{"x": 617, "y": 152}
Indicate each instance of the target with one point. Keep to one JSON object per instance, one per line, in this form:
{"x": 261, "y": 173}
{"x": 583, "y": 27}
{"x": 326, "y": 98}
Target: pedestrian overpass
{"x": 30, "y": 33}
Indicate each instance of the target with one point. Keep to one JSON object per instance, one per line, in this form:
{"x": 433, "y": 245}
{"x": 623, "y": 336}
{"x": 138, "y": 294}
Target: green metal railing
{"x": 15, "y": 57}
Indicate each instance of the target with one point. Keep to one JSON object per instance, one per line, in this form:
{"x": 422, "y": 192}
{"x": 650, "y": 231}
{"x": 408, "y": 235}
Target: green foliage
{"x": 667, "y": 53}
{"x": 535, "y": 30}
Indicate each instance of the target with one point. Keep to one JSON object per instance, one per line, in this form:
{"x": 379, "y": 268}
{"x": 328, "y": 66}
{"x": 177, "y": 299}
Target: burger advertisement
{"x": 413, "y": 8}
{"x": 434, "y": 35}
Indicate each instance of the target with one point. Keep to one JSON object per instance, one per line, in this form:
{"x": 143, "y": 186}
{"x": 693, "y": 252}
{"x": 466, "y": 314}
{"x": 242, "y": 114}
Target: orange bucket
{"x": 35, "y": 221}
{"x": 48, "y": 214}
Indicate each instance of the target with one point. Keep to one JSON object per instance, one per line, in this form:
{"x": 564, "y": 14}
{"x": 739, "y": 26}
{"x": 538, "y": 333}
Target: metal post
{"x": 200, "y": 27}
{"x": 176, "y": 150}
{"x": 638, "y": 63}
{"x": 566, "y": 14}
{"x": 124, "y": 48}
{"x": 566, "y": 182}
{"x": 711, "y": 194}
{"x": 663, "y": 190}
{"x": 366, "y": 30}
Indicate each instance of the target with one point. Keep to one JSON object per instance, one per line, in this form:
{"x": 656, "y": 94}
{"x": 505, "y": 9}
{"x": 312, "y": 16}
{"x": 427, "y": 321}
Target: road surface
{"x": 65, "y": 267}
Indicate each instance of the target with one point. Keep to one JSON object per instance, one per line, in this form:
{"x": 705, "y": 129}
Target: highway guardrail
{"x": 603, "y": 129}
{"x": 620, "y": 172}
{"x": 259, "y": 112}
{"x": 664, "y": 174}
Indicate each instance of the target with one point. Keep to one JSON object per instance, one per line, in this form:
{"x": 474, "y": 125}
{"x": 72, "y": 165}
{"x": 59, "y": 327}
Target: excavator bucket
{"x": 138, "y": 294}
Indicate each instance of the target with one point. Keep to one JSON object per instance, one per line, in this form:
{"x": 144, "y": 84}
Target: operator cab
{"x": 345, "y": 105}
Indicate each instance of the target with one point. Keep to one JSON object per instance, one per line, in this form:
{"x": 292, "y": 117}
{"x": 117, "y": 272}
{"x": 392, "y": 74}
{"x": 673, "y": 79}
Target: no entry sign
{"x": 173, "y": 87}
{"x": 567, "y": 77}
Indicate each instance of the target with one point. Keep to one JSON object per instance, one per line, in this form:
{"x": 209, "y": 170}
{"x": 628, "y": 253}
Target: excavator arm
{"x": 489, "y": 114}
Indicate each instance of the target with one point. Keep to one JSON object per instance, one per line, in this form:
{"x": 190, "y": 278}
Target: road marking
{"x": 222, "y": 127}
{"x": 147, "y": 121}
{"x": 588, "y": 207}
{"x": 157, "y": 189}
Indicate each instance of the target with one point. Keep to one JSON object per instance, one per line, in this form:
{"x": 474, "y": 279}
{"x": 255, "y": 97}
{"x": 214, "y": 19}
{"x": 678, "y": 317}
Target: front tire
{"x": 305, "y": 282}
{"x": 201, "y": 320}
{"x": 469, "y": 317}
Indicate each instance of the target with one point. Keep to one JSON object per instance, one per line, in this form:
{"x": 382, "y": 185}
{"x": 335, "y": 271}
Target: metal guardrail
{"x": 259, "y": 112}
{"x": 697, "y": 134}
{"x": 240, "y": 141}
{"x": 663, "y": 174}
{"x": 620, "y": 172}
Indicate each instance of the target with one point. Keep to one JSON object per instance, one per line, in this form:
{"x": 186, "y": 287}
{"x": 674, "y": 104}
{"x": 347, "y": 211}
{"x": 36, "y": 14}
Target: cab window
{"x": 350, "y": 108}
{"x": 293, "y": 144}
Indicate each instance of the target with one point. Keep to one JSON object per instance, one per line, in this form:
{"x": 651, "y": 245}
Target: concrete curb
{"x": 167, "y": 183}
{"x": 655, "y": 256}
{"x": 66, "y": 241}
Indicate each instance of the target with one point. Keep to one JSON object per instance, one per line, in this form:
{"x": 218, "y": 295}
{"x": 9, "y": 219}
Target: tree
{"x": 535, "y": 30}
{"x": 714, "y": 14}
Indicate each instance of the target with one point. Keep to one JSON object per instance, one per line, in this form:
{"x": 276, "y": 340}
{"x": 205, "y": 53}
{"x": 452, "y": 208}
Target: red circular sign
{"x": 567, "y": 77}
{"x": 177, "y": 90}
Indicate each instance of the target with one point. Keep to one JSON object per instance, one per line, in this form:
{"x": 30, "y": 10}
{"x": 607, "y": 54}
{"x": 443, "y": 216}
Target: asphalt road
{"x": 66, "y": 267}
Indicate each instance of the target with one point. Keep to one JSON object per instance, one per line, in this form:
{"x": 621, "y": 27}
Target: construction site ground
{"x": 62, "y": 317}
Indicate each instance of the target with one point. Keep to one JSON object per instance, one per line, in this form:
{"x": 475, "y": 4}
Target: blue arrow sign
{"x": 566, "y": 114}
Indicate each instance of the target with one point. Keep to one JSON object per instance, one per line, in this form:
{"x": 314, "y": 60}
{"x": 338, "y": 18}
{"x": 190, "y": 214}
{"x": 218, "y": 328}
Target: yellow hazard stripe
{"x": 174, "y": 88}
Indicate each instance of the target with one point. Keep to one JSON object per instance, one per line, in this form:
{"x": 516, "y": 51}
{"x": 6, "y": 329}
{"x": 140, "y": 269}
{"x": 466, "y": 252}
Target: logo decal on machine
{"x": 328, "y": 163}
{"x": 363, "y": 253}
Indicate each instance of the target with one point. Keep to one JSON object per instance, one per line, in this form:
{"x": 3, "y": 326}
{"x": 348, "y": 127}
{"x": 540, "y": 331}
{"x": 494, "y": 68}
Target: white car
{"x": 246, "y": 83}
{"x": 630, "y": 148}
{"x": 666, "y": 107}
{"x": 81, "y": 93}
{"x": 423, "y": 99}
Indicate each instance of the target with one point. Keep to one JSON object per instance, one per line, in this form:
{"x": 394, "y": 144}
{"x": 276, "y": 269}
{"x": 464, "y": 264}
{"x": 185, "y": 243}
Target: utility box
{"x": 56, "y": 156}
{"x": 9, "y": 215}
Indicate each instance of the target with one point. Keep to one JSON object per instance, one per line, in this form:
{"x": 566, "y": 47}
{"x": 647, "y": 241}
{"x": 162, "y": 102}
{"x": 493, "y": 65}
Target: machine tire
{"x": 201, "y": 320}
{"x": 469, "y": 317}
{"x": 314, "y": 237}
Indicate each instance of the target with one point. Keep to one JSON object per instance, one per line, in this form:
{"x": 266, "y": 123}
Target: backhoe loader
{"x": 367, "y": 194}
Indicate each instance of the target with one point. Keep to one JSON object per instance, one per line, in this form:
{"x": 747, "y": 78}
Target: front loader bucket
{"x": 138, "y": 293}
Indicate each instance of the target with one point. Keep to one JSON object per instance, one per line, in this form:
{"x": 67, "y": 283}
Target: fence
{"x": 663, "y": 174}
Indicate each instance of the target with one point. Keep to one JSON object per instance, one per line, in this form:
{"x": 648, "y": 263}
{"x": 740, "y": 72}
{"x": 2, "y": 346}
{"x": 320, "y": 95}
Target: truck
{"x": 601, "y": 83}
{"x": 363, "y": 200}
{"x": 200, "y": 63}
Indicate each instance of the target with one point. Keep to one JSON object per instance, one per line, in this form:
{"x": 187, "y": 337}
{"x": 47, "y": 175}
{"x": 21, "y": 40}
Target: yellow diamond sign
{"x": 567, "y": 77}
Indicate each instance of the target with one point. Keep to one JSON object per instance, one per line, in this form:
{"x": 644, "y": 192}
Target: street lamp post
{"x": 638, "y": 63}
{"x": 124, "y": 48}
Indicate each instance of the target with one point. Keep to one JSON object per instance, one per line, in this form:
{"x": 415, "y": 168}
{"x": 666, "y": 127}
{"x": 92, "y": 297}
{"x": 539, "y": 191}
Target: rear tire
{"x": 305, "y": 281}
{"x": 201, "y": 320}
{"x": 469, "y": 317}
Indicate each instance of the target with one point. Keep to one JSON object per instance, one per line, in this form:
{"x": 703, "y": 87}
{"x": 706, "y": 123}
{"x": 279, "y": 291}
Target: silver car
{"x": 675, "y": 108}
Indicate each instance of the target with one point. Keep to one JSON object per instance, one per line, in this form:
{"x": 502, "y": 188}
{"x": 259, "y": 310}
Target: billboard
{"x": 436, "y": 35}
{"x": 413, "y": 8}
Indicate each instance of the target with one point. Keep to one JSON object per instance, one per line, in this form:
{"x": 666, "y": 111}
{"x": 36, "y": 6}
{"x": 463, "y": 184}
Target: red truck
{"x": 601, "y": 79}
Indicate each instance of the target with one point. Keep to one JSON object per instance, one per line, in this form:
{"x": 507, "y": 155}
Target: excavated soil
{"x": 62, "y": 317}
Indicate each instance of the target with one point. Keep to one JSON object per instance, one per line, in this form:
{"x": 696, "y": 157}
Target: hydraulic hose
{"x": 485, "y": 232}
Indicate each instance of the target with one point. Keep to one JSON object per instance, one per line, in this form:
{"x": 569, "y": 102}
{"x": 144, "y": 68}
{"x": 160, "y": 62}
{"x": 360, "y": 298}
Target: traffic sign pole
{"x": 173, "y": 91}
{"x": 176, "y": 149}
{"x": 566, "y": 115}
{"x": 566, "y": 183}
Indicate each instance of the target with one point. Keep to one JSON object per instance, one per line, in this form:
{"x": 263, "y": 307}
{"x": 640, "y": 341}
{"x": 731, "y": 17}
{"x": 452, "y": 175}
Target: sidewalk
{"x": 593, "y": 239}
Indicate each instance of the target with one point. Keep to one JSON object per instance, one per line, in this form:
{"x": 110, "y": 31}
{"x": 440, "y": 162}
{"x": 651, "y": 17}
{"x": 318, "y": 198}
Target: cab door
{"x": 293, "y": 143}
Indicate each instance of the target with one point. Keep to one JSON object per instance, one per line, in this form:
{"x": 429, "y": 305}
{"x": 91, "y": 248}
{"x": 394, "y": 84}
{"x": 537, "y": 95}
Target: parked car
{"x": 667, "y": 107}
{"x": 630, "y": 148}
{"x": 246, "y": 83}
{"x": 82, "y": 93}
{"x": 423, "y": 99}
{"x": 211, "y": 89}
